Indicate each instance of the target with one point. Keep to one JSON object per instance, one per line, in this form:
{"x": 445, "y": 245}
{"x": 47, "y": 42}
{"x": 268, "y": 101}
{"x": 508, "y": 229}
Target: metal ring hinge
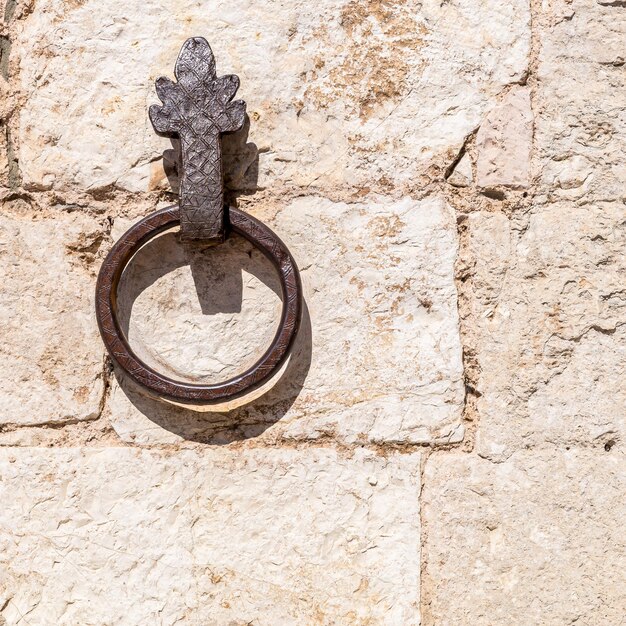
{"x": 198, "y": 109}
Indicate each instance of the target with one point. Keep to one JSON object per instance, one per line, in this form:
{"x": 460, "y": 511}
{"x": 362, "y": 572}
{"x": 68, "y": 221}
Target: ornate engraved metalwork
{"x": 198, "y": 108}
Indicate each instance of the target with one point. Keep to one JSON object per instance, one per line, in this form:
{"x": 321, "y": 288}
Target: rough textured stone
{"x": 548, "y": 305}
{"x": 581, "y": 131}
{"x": 535, "y": 540}
{"x": 203, "y": 316}
{"x": 393, "y": 146}
{"x": 51, "y": 359}
{"x": 270, "y": 537}
{"x": 379, "y": 357}
{"x": 462, "y": 175}
{"x": 504, "y": 141}
{"x": 340, "y": 93}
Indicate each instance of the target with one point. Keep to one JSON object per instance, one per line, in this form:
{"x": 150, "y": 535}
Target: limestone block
{"x": 550, "y": 314}
{"x": 490, "y": 254}
{"x": 589, "y": 393}
{"x": 537, "y": 539}
{"x": 124, "y": 536}
{"x": 379, "y": 356}
{"x": 200, "y": 315}
{"x": 341, "y": 94}
{"x": 504, "y": 142}
{"x": 581, "y": 131}
{"x": 51, "y": 357}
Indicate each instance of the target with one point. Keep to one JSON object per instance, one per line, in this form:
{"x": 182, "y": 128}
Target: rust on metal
{"x": 198, "y": 108}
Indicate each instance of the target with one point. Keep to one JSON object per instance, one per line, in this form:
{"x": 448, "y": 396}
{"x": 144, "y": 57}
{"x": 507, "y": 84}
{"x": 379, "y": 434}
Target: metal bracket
{"x": 198, "y": 109}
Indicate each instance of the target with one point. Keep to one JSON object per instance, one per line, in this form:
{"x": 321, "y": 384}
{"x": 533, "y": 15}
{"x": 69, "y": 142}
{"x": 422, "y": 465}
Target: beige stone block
{"x": 504, "y": 142}
{"x": 549, "y": 314}
{"x": 51, "y": 357}
{"x": 537, "y": 539}
{"x": 200, "y": 315}
{"x": 340, "y": 94}
{"x": 581, "y": 131}
{"x": 217, "y": 536}
{"x": 378, "y": 358}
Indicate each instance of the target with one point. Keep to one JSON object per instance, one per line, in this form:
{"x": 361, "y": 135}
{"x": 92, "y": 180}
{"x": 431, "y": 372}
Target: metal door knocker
{"x": 197, "y": 109}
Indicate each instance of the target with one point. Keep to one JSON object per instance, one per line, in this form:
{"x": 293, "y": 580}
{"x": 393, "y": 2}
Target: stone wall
{"x": 446, "y": 444}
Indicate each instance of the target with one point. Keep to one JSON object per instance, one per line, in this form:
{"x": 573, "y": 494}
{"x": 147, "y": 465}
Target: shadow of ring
{"x": 177, "y": 391}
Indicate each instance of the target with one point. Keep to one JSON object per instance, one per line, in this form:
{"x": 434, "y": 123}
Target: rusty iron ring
{"x": 117, "y": 344}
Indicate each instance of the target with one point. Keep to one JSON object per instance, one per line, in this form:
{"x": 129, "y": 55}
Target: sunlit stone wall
{"x": 445, "y": 446}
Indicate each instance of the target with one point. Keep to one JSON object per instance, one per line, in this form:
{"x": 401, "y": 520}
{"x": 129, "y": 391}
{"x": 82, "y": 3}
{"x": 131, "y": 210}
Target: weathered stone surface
{"x": 340, "y": 93}
{"x": 51, "y": 358}
{"x": 202, "y": 316}
{"x": 581, "y": 131}
{"x": 393, "y": 146}
{"x": 504, "y": 142}
{"x": 270, "y": 537}
{"x": 537, "y": 539}
{"x": 4, "y": 161}
{"x": 462, "y": 175}
{"x": 379, "y": 356}
{"x": 548, "y": 335}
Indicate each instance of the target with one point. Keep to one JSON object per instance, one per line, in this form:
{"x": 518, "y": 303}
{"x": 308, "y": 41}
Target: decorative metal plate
{"x": 197, "y": 109}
